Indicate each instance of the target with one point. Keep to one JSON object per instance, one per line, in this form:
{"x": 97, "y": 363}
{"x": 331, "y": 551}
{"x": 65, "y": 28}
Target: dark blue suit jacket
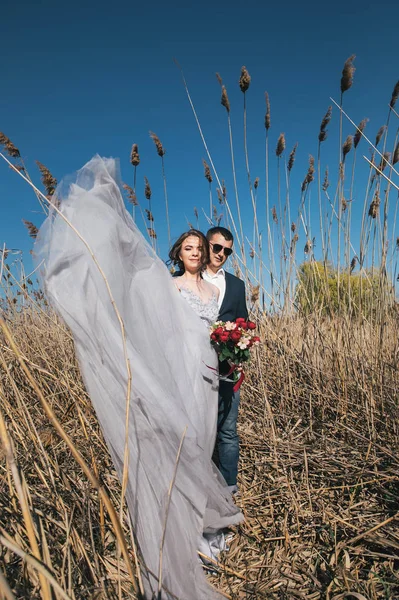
{"x": 234, "y": 304}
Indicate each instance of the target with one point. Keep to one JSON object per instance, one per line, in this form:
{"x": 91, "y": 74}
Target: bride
{"x": 114, "y": 276}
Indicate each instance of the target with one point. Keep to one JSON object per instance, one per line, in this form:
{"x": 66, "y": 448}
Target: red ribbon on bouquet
{"x": 233, "y": 368}
{"x": 239, "y": 382}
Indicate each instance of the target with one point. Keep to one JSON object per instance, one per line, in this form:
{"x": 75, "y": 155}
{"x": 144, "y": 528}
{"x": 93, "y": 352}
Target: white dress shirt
{"x": 218, "y": 279}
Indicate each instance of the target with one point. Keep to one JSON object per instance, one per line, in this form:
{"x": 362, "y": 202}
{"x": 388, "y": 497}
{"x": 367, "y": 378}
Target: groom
{"x": 232, "y": 305}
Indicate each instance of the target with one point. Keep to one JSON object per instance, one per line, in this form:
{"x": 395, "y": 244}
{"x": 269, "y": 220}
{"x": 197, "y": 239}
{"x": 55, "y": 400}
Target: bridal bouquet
{"x": 233, "y": 341}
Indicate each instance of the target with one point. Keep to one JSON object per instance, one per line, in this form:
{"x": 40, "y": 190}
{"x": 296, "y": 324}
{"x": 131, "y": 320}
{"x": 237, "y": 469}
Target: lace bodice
{"x": 207, "y": 311}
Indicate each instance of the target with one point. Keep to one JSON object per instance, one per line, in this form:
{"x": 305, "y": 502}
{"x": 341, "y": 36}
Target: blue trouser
{"x": 227, "y": 441}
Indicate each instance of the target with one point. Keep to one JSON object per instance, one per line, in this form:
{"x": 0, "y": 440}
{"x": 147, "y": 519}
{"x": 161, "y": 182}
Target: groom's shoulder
{"x": 234, "y": 279}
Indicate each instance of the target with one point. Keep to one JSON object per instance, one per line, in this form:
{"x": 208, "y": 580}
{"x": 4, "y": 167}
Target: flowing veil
{"x": 172, "y": 387}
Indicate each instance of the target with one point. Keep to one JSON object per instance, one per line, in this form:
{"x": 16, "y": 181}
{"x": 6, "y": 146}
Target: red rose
{"x": 255, "y": 339}
{"x": 224, "y": 337}
{"x": 218, "y": 331}
{"x": 244, "y": 325}
{"x": 251, "y": 325}
{"x": 240, "y": 320}
{"x": 213, "y": 337}
{"x": 235, "y": 336}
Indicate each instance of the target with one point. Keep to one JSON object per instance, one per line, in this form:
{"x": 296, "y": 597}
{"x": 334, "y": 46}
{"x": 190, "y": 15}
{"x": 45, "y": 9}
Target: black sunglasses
{"x": 216, "y": 248}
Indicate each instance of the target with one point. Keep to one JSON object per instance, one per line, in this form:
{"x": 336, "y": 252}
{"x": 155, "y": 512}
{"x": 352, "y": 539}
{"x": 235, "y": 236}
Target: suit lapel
{"x": 226, "y": 293}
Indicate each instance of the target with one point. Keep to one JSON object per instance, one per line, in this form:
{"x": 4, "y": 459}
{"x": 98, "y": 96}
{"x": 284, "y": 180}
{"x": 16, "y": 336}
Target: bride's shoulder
{"x": 177, "y": 280}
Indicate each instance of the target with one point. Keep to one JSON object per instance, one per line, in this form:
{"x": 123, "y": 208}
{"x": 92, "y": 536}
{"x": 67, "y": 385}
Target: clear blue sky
{"x": 80, "y": 78}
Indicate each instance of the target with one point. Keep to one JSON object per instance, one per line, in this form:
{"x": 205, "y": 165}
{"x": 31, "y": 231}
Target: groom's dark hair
{"x": 228, "y": 236}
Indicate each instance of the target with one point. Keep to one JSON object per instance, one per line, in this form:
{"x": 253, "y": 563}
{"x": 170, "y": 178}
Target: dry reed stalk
{"x": 245, "y": 80}
{"x": 134, "y": 156}
{"x": 224, "y": 101}
{"x": 309, "y": 175}
{"x": 205, "y": 144}
{"x": 358, "y": 134}
{"x": 75, "y": 452}
{"x": 379, "y": 135}
{"x": 324, "y": 124}
{"x": 33, "y": 230}
{"x": 280, "y": 145}
{"x": 131, "y": 194}
{"x": 49, "y": 182}
{"x": 9, "y": 147}
{"x": 395, "y": 95}
{"x": 23, "y": 500}
{"x": 347, "y": 147}
{"x": 291, "y": 158}
{"x": 347, "y": 74}
{"x": 267, "y": 114}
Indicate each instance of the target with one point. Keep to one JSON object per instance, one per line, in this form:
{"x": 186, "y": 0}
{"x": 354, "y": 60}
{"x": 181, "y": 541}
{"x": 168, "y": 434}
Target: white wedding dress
{"x": 172, "y": 385}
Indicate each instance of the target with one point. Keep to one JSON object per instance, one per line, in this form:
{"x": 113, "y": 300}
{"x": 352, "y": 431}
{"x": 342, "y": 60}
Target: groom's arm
{"x": 242, "y": 310}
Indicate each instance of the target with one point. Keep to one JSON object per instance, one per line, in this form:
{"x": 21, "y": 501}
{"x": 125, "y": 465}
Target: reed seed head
{"x": 220, "y": 197}
{"x": 353, "y": 263}
{"x": 308, "y": 246}
{"x": 274, "y": 215}
{"x": 347, "y": 147}
{"x": 395, "y": 95}
{"x": 358, "y": 134}
{"x": 386, "y": 157}
{"x": 291, "y": 159}
{"x": 254, "y": 293}
{"x": 375, "y": 205}
{"x": 326, "y": 182}
{"x": 49, "y": 182}
{"x": 293, "y": 227}
{"x": 347, "y": 74}
{"x": 379, "y": 135}
{"x": 280, "y": 145}
{"x": 219, "y": 79}
{"x": 158, "y": 145}
{"x": 309, "y": 175}
{"x": 134, "y": 156}
{"x": 131, "y": 194}
{"x": 215, "y": 212}
{"x": 9, "y": 146}
{"x": 149, "y": 214}
{"x": 324, "y": 124}
{"x": 33, "y": 230}
{"x": 395, "y": 157}
{"x": 225, "y": 99}
{"x": 195, "y": 212}
{"x": 245, "y": 80}
{"x": 151, "y": 233}
{"x": 344, "y": 204}
{"x": 252, "y": 253}
{"x": 267, "y": 115}
{"x": 256, "y": 183}
{"x": 147, "y": 189}
{"x": 207, "y": 171}
{"x": 293, "y": 243}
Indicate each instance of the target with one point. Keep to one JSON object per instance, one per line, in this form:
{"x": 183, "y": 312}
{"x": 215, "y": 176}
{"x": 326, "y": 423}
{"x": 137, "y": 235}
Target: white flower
{"x": 229, "y": 326}
{"x": 243, "y": 344}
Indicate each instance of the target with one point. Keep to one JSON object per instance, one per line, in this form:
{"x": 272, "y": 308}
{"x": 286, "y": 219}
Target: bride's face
{"x": 191, "y": 254}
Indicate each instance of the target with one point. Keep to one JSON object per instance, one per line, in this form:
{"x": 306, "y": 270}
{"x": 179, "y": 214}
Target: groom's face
{"x": 217, "y": 255}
